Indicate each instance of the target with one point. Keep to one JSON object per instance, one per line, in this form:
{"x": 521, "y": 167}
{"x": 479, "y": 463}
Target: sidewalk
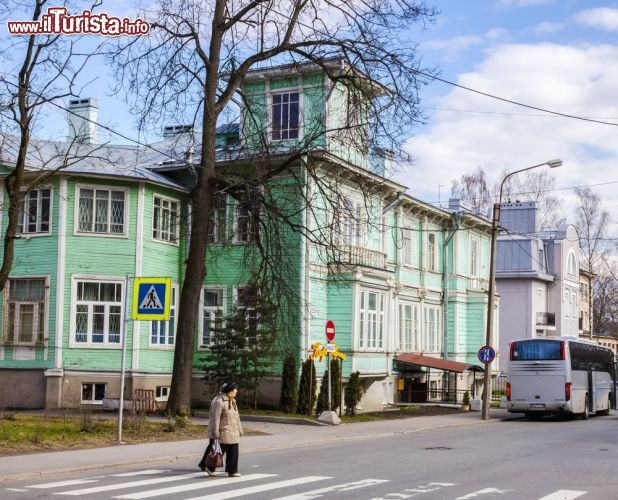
{"x": 279, "y": 436}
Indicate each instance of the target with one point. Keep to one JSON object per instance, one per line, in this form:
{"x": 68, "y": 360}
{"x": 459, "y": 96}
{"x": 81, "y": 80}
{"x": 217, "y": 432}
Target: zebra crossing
{"x": 165, "y": 483}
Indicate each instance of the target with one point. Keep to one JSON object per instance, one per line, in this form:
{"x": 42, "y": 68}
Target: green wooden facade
{"x": 383, "y": 284}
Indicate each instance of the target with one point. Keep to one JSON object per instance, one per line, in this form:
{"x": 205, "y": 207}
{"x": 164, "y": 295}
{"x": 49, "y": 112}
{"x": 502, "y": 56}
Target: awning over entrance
{"x": 410, "y": 358}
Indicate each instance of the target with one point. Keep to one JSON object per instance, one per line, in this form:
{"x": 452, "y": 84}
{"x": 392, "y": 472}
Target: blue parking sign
{"x": 486, "y": 354}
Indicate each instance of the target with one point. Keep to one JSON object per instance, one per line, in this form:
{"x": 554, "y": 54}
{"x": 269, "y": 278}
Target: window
{"x": 409, "y": 241}
{"x": 212, "y": 314}
{"x": 245, "y": 303}
{"x": 432, "y": 338}
{"x": 409, "y": 338}
{"x": 474, "y": 258}
{"x": 246, "y": 220}
{"x": 351, "y": 223}
{"x": 98, "y": 312}
{"x": 432, "y": 254}
{"x": 162, "y": 392}
{"x": 165, "y": 219}
{"x": 25, "y": 318}
{"x": 101, "y": 211}
{"x": 218, "y": 220}
{"x": 164, "y": 332}
{"x": 34, "y": 210}
{"x": 572, "y": 265}
{"x": 285, "y": 115}
{"x": 371, "y": 320}
{"x": 93, "y": 393}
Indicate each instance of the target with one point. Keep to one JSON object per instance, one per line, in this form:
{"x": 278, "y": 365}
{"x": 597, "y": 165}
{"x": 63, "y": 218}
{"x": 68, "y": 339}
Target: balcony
{"x": 478, "y": 284}
{"x": 358, "y": 256}
{"x": 544, "y": 319}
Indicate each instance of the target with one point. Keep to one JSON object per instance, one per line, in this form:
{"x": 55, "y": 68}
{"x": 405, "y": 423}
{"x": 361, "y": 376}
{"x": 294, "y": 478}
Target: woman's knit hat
{"x": 228, "y": 387}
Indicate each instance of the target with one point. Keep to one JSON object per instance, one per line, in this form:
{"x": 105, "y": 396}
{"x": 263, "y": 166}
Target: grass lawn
{"x": 29, "y": 433}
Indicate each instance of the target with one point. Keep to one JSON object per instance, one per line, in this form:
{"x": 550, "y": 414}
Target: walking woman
{"x": 224, "y": 426}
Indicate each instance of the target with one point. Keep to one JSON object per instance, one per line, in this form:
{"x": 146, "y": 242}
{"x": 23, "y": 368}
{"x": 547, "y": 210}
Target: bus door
{"x": 591, "y": 390}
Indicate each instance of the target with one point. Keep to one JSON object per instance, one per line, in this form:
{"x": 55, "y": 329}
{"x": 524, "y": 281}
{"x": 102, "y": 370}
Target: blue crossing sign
{"x": 486, "y": 354}
{"x": 151, "y": 298}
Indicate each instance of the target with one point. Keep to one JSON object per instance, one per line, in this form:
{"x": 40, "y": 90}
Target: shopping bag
{"x": 214, "y": 458}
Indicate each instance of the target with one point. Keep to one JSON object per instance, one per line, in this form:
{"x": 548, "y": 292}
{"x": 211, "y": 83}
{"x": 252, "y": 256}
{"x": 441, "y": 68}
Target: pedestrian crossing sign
{"x": 151, "y": 298}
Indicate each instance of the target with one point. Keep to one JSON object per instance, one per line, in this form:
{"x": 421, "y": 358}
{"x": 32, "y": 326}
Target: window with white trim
{"x": 285, "y": 113}
{"x": 162, "y": 392}
{"x": 101, "y": 210}
{"x": 371, "y": 320}
{"x": 217, "y": 229}
{"x": 352, "y": 223}
{"x": 245, "y": 302}
{"x": 212, "y": 314}
{"x": 410, "y": 257}
{"x": 474, "y": 258}
{"x": 98, "y": 312}
{"x": 93, "y": 393}
{"x": 432, "y": 341}
{"x": 432, "y": 252}
{"x": 34, "y": 212}
{"x": 165, "y": 219}
{"x": 163, "y": 332}
{"x": 572, "y": 265}
{"x": 409, "y": 327}
{"x": 25, "y": 311}
{"x": 247, "y": 212}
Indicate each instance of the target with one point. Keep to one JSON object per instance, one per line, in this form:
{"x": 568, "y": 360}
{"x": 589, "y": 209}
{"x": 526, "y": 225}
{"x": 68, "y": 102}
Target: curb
{"x": 269, "y": 419}
{"x": 255, "y": 449}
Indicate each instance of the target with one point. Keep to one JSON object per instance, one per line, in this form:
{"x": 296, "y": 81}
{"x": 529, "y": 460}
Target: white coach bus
{"x": 560, "y": 375}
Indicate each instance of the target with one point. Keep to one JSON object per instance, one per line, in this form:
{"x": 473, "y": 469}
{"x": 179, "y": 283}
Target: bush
{"x": 335, "y": 389}
{"x": 322, "y": 403}
{"x": 289, "y": 394}
{"x": 306, "y": 391}
{"x": 353, "y": 394}
{"x": 466, "y": 398}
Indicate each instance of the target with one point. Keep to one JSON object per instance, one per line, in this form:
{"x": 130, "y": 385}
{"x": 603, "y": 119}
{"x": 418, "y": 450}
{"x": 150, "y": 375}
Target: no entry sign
{"x": 330, "y": 330}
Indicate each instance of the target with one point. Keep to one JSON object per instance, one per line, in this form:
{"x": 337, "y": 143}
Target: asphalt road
{"x": 554, "y": 459}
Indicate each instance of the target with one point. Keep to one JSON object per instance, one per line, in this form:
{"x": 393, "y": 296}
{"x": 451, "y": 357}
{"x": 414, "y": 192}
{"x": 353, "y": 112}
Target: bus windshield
{"x": 529, "y": 350}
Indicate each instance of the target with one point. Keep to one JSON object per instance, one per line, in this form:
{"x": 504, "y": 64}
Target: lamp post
{"x": 492, "y": 280}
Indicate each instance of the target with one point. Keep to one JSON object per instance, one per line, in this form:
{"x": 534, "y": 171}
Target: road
{"x": 554, "y": 459}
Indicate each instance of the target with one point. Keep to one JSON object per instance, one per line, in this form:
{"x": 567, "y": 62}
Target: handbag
{"x": 214, "y": 458}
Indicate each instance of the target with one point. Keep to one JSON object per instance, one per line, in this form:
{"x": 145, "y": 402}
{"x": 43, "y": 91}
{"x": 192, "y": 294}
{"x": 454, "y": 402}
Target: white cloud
{"x": 548, "y": 28}
{"x": 578, "y": 80}
{"x": 602, "y": 18}
{"x": 452, "y": 48}
{"x": 521, "y": 3}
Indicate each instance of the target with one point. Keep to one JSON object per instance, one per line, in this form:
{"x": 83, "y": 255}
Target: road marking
{"x": 485, "y": 491}
{"x": 142, "y": 473}
{"x": 563, "y": 495}
{"x": 131, "y": 484}
{"x": 13, "y": 489}
{"x": 61, "y": 484}
{"x": 338, "y": 487}
{"x": 264, "y": 487}
{"x": 207, "y": 483}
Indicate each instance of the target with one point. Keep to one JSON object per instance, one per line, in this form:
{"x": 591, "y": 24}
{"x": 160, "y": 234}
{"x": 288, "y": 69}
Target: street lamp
{"x": 492, "y": 280}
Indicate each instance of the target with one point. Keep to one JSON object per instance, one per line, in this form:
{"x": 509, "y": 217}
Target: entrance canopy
{"x": 409, "y": 358}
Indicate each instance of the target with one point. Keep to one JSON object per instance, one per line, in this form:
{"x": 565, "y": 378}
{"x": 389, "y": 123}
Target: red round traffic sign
{"x": 330, "y": 330}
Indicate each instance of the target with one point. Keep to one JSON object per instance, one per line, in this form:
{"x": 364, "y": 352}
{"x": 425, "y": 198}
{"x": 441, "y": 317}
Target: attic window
{"x": 285, "y": 116}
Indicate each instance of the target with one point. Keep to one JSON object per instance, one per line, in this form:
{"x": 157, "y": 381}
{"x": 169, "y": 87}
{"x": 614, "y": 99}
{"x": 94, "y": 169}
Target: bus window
{"x": 537, "y": 350}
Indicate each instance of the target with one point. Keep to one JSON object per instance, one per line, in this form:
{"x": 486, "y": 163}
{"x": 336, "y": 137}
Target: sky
{"x": 559, "y": 55}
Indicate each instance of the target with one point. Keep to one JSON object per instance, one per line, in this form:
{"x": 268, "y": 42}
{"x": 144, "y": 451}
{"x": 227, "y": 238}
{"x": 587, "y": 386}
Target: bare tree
{"x": 592, "y": 221}
{"x": 605, "y": 300}
{"x": 193, "y": 65}
{"x": 473, "y": 188}
{"x": 43, "y": 70}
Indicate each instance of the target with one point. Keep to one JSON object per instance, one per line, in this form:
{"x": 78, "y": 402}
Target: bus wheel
{"x": 586, "y": 413}
{"x": 604, "y": 413}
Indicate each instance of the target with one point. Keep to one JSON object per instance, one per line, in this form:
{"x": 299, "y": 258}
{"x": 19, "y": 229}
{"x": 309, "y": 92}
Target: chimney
{"x": 82, "y": 119}
{"x": 457, "y": 205}
{"x": 170, "y": 131}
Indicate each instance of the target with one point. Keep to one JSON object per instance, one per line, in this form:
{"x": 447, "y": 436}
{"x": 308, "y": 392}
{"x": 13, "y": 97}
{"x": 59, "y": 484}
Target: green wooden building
{"x": 403, "y": 280}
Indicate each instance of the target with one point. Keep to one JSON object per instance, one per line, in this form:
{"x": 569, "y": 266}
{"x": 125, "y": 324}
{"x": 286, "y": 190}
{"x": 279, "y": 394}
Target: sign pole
{"x": 329, "y": 370}
{"x": 124, "y": 355}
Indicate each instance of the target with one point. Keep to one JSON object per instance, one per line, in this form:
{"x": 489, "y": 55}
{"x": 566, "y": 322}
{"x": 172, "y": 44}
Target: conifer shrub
{"x": 353, "y": 394}
{"x": 289, "y": 394}
{"x": 306, "y": 390}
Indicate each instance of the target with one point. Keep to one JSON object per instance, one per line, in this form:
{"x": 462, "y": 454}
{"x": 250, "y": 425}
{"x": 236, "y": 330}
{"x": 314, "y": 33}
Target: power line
{"x": 503, "y": 113}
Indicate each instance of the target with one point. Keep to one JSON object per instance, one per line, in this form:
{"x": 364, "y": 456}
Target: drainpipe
{"x": 445, "y": 282}
{"x": 305, "y": 284}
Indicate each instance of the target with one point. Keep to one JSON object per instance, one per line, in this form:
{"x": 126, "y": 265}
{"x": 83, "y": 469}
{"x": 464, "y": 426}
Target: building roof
{"x": 438, "y": 363}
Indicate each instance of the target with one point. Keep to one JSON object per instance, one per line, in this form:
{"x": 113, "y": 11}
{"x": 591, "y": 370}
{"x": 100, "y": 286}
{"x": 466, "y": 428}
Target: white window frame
{"x": 215, "y": 220}
{"x": 162, "y": 392}
{"x": 74, "y": 306}
{"x": 248, "y": 310}
{"x": 161, "y": 235}
{"x": 163, "y": 326}
{"x": 571, "y": 264}
{"x": 409, "y": 251}
{"x": 23, "y": 213}
{"x": 474, "y": 257}
{"x": 432, "y": 337}
{"x": 352, "y": 222}
{"x": 250, "y": 230}
{"x": 433, "y": 254}
{"x": 371, "y": 322}
{"x": 12, "y": 337}
{"x": 92, "y": 401}
{"x": 212, "y": 312}
{"x": 409, "y": 327}
{"x": 271, "y": 105}
{"x": 107, "y": 234}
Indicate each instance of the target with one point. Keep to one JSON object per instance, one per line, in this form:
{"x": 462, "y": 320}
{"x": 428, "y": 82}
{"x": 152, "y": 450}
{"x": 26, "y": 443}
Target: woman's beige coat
{"x": 224, "y": 420}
